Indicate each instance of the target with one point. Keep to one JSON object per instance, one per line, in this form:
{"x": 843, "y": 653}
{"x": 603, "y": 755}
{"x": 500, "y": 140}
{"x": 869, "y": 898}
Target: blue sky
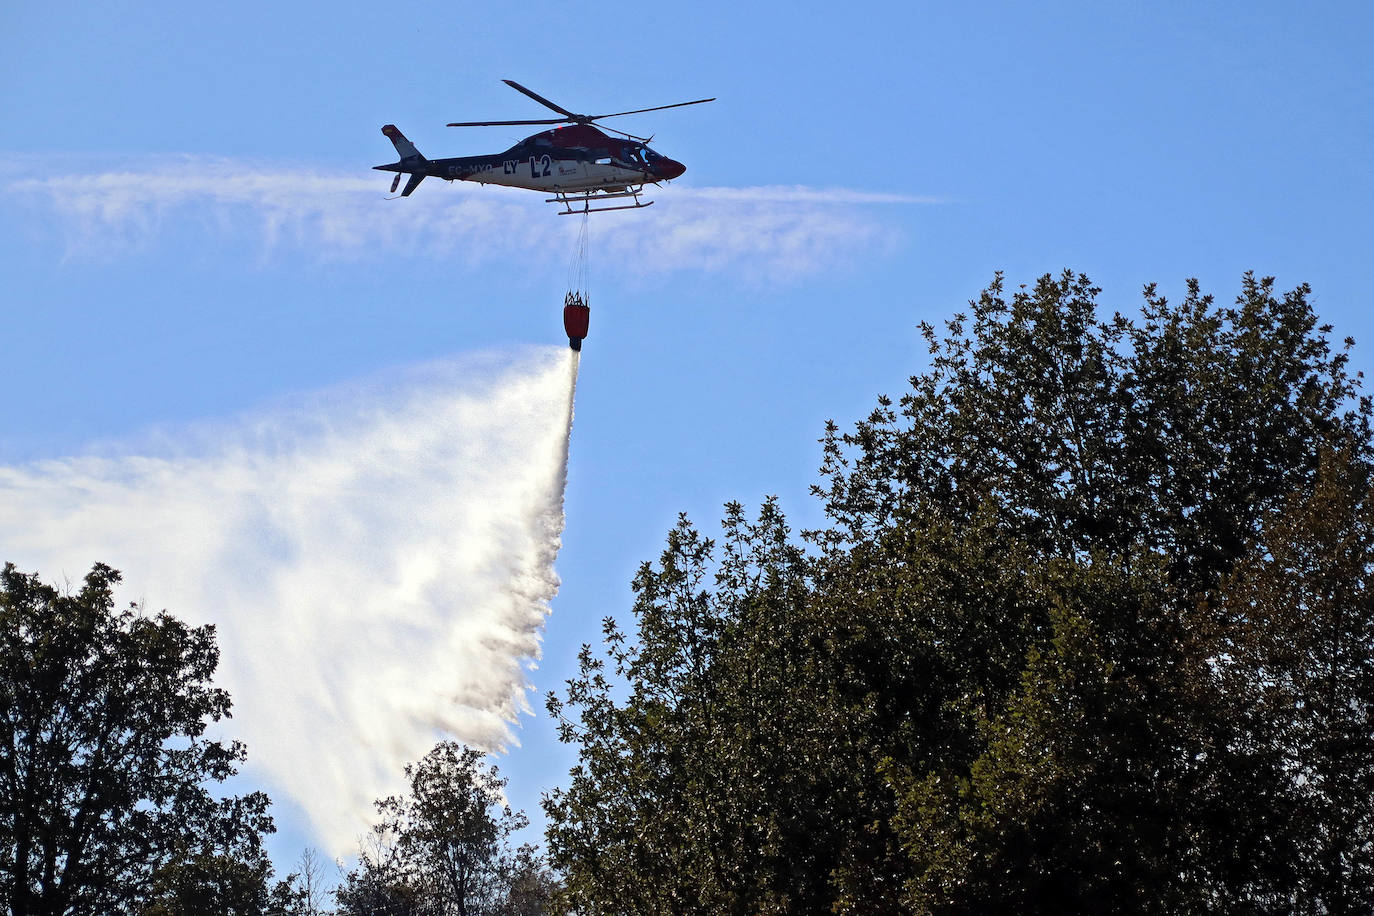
{"x": 190, "y": 230}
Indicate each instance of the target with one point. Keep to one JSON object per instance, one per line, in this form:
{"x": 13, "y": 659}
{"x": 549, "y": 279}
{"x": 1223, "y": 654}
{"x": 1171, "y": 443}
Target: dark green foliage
{"x": 1144, "y": 459}
{"x": 694, "y": 793}
{"x": 104, "y": 763}
{"x": 441, "y": 849}
{"x": 200, "y": 884}
{"x": 1295, "y": 629}
{"x": 1087, "y": 631}
{"x": 529, "y": 887}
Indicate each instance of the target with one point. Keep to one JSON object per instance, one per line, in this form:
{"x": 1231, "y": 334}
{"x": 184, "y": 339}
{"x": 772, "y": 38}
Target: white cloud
{"x": 770, "y": 232}
{"x": 378, "y": 561}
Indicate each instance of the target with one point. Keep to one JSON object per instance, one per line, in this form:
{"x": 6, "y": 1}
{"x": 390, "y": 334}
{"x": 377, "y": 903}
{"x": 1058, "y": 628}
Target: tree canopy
{"x": 442, "y": 848}
{"x": 1087, "y": 629}
{"x": 105, "y": 767}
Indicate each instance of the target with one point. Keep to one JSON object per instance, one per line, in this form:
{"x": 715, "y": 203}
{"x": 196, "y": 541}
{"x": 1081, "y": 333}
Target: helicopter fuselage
{"x": 577, "y": 158}
{"x": 538, "y": 172}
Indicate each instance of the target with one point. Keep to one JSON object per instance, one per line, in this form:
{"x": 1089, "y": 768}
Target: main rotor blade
{"x": 505, "y": 123}
{"x": 625, "y": 133}
{"x": 655, "y": 108}
{"x": 541, "y": 100}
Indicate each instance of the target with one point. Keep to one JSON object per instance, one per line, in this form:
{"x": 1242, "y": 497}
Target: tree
{"x": 1032, "y": 661}
{"x": 104, "y": 805}
{"x": 224, "y": 883}
{"x": 529, "y": 886}
{"x": 1296, "y": 622}
{"x": 712, "y": 777}
{"x": 441, "y": 849}
{"x": 382, "y": 883}
{"x": 310, "y": 878}
{"x": 1151, "y": 455}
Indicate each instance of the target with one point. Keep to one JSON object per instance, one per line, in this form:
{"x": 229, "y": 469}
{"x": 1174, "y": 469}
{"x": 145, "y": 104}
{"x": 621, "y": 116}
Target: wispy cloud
{"x": 802, "y": 194}
{"x": 378, "y": 561}
{"x": 772, "y": 232}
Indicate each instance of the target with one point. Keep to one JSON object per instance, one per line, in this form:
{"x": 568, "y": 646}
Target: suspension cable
{"x": 578, "y": 268}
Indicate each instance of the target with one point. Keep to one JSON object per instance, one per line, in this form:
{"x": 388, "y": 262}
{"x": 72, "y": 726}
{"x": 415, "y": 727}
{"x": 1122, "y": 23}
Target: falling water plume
{"x": 378, "y": 560}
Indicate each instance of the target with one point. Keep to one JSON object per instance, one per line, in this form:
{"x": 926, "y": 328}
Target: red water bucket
{"x": 575, "y": 318}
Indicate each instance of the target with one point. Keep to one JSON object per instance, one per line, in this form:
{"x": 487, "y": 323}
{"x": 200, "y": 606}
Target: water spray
{"x": 378, "y": 561}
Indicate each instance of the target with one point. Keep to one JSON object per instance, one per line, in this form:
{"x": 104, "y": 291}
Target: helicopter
{"x": 578, "y": 163}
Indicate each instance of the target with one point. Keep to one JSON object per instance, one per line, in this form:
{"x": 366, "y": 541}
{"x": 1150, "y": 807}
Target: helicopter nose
{"x": 669, "y": 169}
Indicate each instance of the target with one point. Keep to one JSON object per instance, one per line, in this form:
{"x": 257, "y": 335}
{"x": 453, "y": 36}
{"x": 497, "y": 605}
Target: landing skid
{"x": 587, "y": 198}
